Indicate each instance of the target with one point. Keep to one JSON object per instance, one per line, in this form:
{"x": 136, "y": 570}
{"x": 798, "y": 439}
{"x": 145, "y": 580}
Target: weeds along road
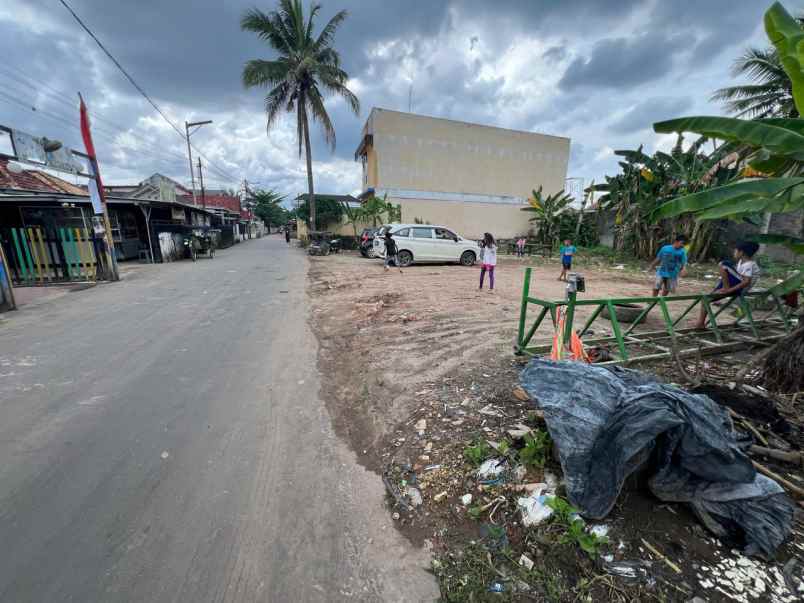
{"x": 162, "y": 439}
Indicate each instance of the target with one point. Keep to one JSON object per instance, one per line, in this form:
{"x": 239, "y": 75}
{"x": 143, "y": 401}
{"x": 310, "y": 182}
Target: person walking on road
{"x": 489, "y": 260}
{"x": 287, "y": 235}
{"x": 391, "y": 252}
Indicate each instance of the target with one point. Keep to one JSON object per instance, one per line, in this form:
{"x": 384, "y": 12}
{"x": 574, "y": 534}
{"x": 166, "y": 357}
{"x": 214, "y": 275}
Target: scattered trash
{"x": 496, "y": 587}
{"x": 619, "y": 267}
{"x": 599, "y": 530}
{"x": 414, "y": 495}
{"x": 440, "y": 496}
{"x": 165, "y": 454}
{"x": 489, "y": 410}
{"x": 607, "y": 423}
{"x": 395, "y": 516}
{"x": 630, "y": 570}
{"x": 432, "y": 467}
{"x": 420, "y": 426}
{"x": 466, "y": 500}
{"x": 520, "y": 394}
{"x": 491, "y": 468}
{"x": 534, "y": 507}
{"x": 519, "y": 431}
{"x": 526, "y": 562}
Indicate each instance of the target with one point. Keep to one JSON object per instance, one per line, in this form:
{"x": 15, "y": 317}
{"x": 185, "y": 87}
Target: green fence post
{"x": 523, "y": 310}
{"x": 615, "y": 326}
{"x": 569, "y": 316}
{"x": 782, "y": 313}
{"x": 20, "y": 258}
{"x": 744, "y": 306}
{"x": 668, "y": 321}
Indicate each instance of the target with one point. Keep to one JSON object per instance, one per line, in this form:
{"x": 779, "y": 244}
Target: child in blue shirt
{"x": 671, "y": 261}
{"x": 567, "y": 251}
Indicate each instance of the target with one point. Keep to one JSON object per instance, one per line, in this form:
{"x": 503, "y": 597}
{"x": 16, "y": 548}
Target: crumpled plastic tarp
{"x": 607, "y": 422}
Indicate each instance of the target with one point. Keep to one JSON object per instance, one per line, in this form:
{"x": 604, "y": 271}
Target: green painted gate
{"x": 39, "y": 256}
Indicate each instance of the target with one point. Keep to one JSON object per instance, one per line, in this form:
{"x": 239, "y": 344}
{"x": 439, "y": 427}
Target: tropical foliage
{"x": 770, "y": 96}
{"x": 329, "y": 210}
{"x": 269, "y": 207}
{"x": 305, "y": 68}
{"x": 647, "y": 181}
{"x": 772, "y": 149}
{"x": 547, "y": 212}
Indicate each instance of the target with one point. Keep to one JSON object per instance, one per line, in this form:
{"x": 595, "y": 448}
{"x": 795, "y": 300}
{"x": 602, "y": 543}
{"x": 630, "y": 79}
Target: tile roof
{"x": 222, "y": 201}
{"x": 34, "y": 180}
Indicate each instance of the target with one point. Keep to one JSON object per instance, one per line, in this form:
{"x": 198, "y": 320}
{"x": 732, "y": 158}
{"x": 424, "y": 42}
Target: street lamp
{"x": 187, "y": 126}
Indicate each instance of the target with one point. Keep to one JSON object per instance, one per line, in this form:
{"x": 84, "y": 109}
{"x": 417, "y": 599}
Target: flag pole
{"x": 108, "y": 243}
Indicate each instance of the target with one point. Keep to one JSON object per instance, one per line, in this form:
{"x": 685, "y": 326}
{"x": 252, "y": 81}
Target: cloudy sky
{"x": 597, "y": 71}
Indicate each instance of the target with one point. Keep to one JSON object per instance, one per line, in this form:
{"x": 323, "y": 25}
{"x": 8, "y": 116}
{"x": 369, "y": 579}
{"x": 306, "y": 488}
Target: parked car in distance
{"x": 423, "y": 243}
{"x": 367, "y": 242}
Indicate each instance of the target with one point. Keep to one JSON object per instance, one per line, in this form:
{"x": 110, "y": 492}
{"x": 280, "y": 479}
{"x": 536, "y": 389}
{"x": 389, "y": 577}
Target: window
{"x": 444, "y": 234}
{"x": 6, "y": 147}
{"x": 402, "y": 232}
{"x": 422, "y": 233}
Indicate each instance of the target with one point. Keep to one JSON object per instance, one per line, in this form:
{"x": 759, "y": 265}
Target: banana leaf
{"x": 791, "y": 283}
{"x": 777, "y": 140}
{"x": 787, "y": 36}
{"x": 794, "y": 244}
{"x": 788, "y": 123}
{"x": 734, "y": 192}
{"x": 736, "y": 208}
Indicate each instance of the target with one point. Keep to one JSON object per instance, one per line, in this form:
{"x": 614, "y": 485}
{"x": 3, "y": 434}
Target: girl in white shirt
{"x": 489, "y": 261}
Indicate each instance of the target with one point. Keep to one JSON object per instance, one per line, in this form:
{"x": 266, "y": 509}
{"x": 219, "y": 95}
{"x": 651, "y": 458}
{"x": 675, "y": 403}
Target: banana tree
{"x": 647, "y": 181}
{"x": 547, "y": 214}
{"x": 774, "y": 148}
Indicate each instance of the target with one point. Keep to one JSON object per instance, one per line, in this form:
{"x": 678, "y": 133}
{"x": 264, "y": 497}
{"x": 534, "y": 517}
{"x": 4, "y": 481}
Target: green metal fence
{"x": 744, "y": 329}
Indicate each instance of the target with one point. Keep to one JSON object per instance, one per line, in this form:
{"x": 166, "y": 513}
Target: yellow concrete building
{"x": 470, "y": 177}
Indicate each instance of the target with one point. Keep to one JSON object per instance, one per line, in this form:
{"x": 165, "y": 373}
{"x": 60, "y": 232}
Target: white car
{"x": 423, "y": 243}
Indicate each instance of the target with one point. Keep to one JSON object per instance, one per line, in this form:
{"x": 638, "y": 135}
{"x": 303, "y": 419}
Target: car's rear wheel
{"x": 468, "y": 258}
{"x": 405, "y": 259}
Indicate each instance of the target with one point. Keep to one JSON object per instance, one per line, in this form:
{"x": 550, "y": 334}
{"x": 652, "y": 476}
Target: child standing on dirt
{"x": 520, "y": 247}
{"x": 735, "y": 280}
{"x": 567, "y": 252}
{"x": 489, "y": 261}
{"x": 391, "y": 252}
{"x": 671, "y": 261}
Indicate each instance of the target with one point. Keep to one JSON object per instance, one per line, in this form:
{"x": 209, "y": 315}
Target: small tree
{"x": 328, "y": 211}
{"x": 269, "y": 208}
{"x": 547, "y": 214}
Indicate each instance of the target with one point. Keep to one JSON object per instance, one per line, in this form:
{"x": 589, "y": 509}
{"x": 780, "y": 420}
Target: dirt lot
{"x": 419, "y": 366}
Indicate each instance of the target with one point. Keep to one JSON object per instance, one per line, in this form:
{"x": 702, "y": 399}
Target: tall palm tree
{"x": 770, "y": 96}
{"x": 305, "y": 65}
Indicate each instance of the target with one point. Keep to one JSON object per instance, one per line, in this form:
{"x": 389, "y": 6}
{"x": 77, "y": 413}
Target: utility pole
{"x": 187, "y": 134}
{"x": 201, "y": 179}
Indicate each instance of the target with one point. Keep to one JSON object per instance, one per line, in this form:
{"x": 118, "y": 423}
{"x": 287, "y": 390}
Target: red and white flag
{"x": 96, "y": 184}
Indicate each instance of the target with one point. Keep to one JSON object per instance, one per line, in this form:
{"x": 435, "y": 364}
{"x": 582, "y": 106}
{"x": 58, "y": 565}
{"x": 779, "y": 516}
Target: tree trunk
{"x": 309, "y": 154}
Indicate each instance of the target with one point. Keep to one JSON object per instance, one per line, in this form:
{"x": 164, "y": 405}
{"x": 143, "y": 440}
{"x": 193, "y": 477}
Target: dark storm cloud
{"x": 643, "y": 115}
{"x": 624, "y": 62}
{"x": 189, "y": 55}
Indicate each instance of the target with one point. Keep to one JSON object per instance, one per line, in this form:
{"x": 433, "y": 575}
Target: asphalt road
{"x": 162, "y": 439}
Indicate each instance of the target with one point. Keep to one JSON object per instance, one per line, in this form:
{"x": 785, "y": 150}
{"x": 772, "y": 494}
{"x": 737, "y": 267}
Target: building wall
{"x": 468, "y": 219}
{"x": 426, "y": 154}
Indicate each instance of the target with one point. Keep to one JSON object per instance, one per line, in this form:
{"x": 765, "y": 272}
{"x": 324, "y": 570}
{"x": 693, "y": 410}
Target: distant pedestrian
{"x": 489, "y": 260}
{"x": 671, "y": 261}
{"x": 391, "y": 252}
{"x": 567, "y": 252}
{"x": 520, "y": 247}
{"x": 287, "y": 235}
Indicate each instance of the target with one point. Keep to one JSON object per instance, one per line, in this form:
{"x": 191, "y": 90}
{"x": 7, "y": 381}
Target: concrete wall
{"x": 415, "y": 152}
{"x": 468, "y": 219}
{"x": 470, "y": 177}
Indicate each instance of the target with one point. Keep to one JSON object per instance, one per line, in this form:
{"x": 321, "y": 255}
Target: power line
{"x": 59, "y": 96}
{"x": 137, "y": 86}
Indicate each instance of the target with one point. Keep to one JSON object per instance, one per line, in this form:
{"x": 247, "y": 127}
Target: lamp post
{"x": 187, "y": 126}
